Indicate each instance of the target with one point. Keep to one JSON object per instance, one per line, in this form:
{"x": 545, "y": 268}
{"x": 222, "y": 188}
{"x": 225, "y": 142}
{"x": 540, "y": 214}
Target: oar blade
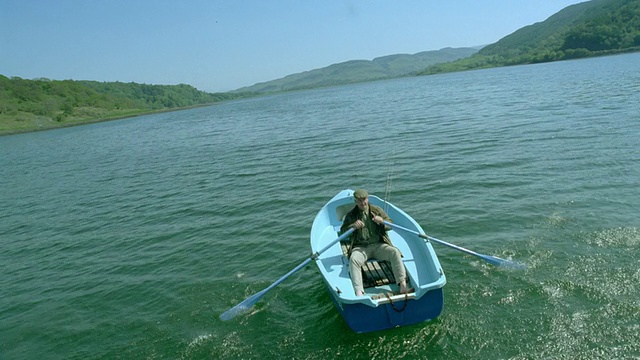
{"x": 496, "y": 261}
{"x": 242, "y": 307}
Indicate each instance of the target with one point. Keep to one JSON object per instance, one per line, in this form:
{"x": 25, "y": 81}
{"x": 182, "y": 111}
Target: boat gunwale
{"x": 325, "y": 221}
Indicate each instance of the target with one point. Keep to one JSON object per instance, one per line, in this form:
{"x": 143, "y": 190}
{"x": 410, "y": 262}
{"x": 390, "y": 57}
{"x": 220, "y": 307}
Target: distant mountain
{"x": 592, "y": 28}
{"x": 354, "y": 71}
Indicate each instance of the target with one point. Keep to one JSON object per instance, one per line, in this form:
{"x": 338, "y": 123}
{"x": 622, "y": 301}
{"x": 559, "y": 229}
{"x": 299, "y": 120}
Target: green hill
{"x": 27, "y": 105}
{"x": 355, "y": 71}
{"x": 593, "y": 28}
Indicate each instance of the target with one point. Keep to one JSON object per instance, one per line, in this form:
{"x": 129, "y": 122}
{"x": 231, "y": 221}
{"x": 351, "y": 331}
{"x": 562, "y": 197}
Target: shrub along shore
{"x": 42, "y": 104}
{"x": 27, "y": 122}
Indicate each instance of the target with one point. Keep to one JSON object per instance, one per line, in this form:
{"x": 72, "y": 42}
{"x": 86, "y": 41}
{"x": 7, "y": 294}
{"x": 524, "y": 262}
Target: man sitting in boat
{"x": 370, "y": 240}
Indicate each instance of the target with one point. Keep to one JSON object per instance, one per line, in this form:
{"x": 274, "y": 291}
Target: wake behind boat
{"x": 382, "y": 307}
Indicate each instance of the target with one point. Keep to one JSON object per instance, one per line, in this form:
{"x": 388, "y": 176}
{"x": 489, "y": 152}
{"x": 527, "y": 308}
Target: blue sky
{"x": 218, "y": 45}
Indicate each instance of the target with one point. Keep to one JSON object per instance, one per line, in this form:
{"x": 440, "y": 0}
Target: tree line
{"x": 66, "y": 100}
{"x": 594, "y": 28}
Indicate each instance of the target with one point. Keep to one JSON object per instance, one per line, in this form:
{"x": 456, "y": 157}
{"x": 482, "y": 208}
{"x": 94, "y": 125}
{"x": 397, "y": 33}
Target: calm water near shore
{"x": 127, "y": 239}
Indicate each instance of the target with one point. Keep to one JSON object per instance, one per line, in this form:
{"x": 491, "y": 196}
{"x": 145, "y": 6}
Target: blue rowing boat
{"x": 382, "y": 307}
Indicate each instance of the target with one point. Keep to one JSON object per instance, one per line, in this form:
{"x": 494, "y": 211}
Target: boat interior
{"x": 423, "y": 271}
{"x": 374, "y": 272}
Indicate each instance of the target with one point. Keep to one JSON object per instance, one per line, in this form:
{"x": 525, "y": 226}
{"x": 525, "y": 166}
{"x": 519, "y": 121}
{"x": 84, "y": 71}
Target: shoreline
{"x": 54, "y": 125}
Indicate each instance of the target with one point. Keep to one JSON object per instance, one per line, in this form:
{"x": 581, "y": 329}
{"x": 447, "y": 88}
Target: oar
{"x": 488, "y": 258}
{"x": 247, "y": 303}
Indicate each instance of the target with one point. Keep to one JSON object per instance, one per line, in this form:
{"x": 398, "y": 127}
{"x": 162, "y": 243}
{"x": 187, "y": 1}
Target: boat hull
{"x": 363, "y": 318}
{"x": 382, "y": 307}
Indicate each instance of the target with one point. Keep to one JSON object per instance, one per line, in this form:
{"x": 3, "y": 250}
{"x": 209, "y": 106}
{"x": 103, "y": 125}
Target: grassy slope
{"x": 28, "y": 105}
{"x": 355, "y": 71}
{"x": 593, "y": 28}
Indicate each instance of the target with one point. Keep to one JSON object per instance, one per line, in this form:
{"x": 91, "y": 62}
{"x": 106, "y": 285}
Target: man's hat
{"x": 360, "y": 194}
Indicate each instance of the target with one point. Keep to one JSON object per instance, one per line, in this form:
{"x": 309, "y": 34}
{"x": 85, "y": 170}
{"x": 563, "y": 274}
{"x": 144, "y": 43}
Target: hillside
{"x": 354, "y": 71}
{"x": 27, "y": 105}
{"x": 593, "y": 28}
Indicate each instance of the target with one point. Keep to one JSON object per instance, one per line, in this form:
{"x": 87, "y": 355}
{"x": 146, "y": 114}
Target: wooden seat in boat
{"x": 374, "y": 272}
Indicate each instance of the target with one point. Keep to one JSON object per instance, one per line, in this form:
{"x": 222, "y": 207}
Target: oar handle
{"x": 315, "y": 255}
{"x": 488, "y": 258}
{"x": 247, "y": 303}
{"x": 426, "y": 237}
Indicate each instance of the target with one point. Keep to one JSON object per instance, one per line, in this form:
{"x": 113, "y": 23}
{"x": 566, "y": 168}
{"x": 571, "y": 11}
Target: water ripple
{"x": 129, "y": 238}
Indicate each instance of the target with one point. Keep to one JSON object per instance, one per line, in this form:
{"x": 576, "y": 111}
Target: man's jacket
{"x": 380, "y": 230}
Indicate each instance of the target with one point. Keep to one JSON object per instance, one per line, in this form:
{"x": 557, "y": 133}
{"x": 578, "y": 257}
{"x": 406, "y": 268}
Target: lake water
{"x": 127, "y": 239}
